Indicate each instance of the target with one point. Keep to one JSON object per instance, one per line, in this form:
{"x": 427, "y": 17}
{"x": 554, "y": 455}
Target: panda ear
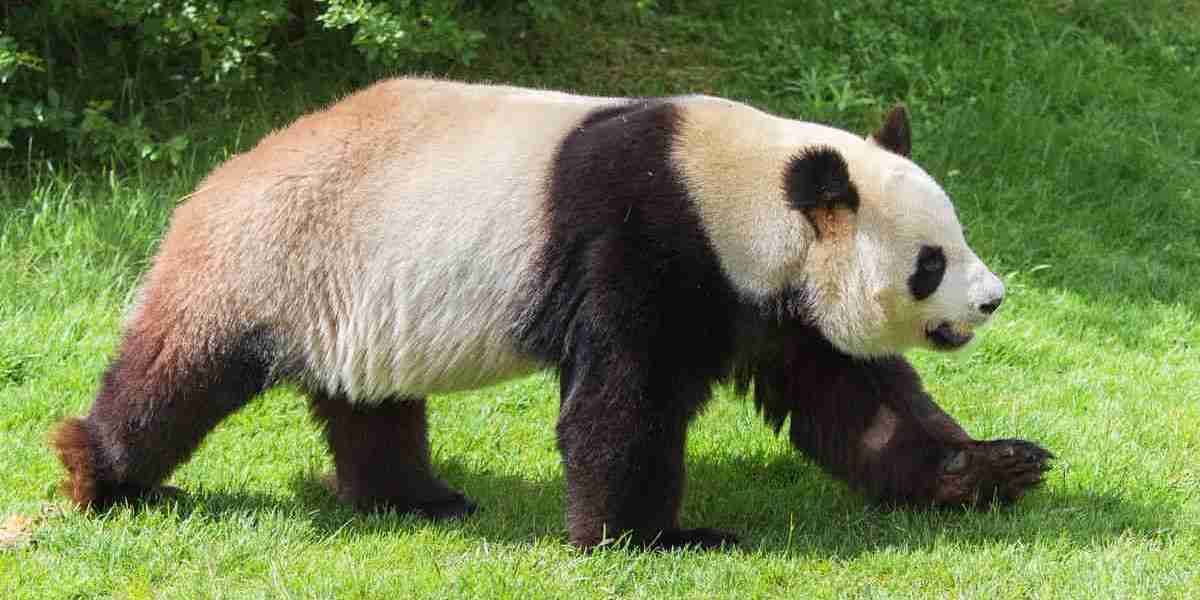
{"x": 818, "y": 182}
{"x": 895, "y": 135}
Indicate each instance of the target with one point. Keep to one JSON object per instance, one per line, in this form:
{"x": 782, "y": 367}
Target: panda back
{"x": 387, "y": 241}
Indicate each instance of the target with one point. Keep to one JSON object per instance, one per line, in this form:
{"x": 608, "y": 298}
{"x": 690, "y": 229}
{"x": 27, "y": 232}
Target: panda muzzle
{"x": 949, "y": 336}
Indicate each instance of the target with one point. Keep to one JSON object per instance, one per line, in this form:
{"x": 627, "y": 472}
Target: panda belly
{"x": 438, "y": 318}
{"x": 431, "y": 330}
{"x": 449, "y": 233}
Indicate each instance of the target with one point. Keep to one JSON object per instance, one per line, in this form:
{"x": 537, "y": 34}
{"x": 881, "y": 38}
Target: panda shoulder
{"x": 703, "y": 111}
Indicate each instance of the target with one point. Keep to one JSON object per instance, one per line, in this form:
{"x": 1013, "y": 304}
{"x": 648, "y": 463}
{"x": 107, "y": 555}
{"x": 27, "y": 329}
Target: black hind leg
{"x": 381, "y": 457}
{"x": 158, "y": 400}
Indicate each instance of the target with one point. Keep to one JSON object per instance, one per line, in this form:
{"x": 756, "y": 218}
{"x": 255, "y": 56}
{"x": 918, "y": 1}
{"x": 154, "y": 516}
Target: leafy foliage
{"x": 86, "y": 80}
{"x": 390, "y": 31}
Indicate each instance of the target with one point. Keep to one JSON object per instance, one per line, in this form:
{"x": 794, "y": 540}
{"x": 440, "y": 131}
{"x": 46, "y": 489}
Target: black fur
{"x": 157, "y": 401}
{"x": 640, "y": 321}
{"x": 927, "y": 272}
{"x": 871, "y": 424}
{"x": 381, "y": 456}
{"x": 819, "y": 179}
{"x": 638, "y": 317}
{"x": 895, "y": 134}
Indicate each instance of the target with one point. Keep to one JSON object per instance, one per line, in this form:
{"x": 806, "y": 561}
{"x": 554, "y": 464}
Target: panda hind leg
{"x": 381, "y": 457}
{"x": 160, "y": 397}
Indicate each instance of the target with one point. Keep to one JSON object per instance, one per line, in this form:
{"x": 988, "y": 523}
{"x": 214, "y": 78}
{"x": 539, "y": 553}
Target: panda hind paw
{"x": 702, "y": 538}
{"x": 455, "y": 507}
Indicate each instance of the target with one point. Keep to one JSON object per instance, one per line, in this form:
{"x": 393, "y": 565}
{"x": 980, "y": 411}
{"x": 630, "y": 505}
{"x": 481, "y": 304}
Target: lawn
{"x": 1068, "y": 134}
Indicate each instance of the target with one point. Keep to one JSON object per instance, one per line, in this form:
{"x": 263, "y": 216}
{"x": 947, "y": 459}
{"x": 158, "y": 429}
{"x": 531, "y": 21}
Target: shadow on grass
{"x": 786, "y": 507}
{"x": 790, "y": 506}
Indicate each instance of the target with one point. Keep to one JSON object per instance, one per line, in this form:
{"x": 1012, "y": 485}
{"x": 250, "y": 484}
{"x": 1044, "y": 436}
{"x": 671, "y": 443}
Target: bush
{"x": 83, "y": 79}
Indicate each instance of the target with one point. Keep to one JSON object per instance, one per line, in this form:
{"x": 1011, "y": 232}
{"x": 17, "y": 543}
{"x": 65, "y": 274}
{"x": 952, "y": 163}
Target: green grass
{"x": 1068, "y": 134}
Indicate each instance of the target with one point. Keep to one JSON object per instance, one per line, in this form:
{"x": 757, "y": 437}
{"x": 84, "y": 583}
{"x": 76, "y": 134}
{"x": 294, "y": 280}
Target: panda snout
{"x": 991, "y": 296}
{"x": 990, "y": 306}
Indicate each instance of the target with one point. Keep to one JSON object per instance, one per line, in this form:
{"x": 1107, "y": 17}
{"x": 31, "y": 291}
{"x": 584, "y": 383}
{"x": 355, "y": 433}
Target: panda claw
{"x": 994, "y": 471}
{"x": 957, "y": 462}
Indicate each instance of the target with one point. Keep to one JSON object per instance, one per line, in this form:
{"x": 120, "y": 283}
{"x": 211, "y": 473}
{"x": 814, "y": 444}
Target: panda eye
{"x": 932, "y": 262}
{"x": 930, "y": 267}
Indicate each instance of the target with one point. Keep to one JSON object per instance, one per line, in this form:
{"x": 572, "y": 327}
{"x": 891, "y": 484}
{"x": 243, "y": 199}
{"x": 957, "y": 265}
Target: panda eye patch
{"x": 931, "y": 266}
{"x": 933, "y": 262}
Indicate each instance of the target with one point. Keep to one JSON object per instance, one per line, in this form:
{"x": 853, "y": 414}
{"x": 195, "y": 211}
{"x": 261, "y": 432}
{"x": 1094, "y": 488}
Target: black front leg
{"x": 622, "y": 443}
{"x": 871, "y": 423}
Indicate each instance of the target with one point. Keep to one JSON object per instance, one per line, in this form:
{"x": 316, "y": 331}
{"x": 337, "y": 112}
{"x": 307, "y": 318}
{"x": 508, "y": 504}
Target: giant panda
{"x": 424, "y": 236}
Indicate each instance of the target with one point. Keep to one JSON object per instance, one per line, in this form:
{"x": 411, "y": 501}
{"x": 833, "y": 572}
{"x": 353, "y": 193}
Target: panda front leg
{"x": 623, "y": 456}
{"x": 381, "y": 457}
{"x": 969, "y": 472}
{"x": 871, "y": 423}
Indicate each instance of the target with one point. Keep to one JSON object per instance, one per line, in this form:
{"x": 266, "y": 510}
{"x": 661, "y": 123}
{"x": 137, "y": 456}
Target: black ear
{"x": 819, "y": 178}
{"x": 895, "y": 134}
{"x": 817, "y": 181}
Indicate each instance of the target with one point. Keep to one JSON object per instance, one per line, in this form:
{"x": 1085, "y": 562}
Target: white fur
{"x": 733, "y": 158}
{"x": 452, "y": 226}
{"x": 915, "y": 211}
{"x": 390, "y": 234}
{"x": 391, "y": 237}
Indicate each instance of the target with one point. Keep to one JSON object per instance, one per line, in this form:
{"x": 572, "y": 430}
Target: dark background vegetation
{"x": 125, "y": 80}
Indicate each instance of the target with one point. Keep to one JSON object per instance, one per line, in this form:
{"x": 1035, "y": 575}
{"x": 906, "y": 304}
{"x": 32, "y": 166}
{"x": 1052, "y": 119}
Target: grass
{"x": 1065, "y": 131}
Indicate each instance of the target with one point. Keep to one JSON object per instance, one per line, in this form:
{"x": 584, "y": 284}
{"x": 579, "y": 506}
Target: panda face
{"x": 841, "y": 232}
{"x": 887, "y": 268}
{"x": 931, "y": 288}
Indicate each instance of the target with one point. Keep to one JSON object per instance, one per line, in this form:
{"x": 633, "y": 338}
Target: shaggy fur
{"x": 639, "y": 320}
{"x": 156, "y": 403}
{"x": 895, "y": 134}
{"x": 381, "y": 457}
{"x": 871, "y": 424}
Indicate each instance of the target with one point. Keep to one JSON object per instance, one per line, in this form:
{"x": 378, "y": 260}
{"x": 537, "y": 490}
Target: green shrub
{"x": 85, "y": 80}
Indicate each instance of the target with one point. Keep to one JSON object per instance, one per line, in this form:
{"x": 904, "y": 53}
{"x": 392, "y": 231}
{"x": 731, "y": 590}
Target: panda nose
{"x": 990, "y": 307}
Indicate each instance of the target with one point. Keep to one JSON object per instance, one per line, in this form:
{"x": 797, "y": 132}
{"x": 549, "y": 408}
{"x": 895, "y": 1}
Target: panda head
{"x": 886, "y": 267}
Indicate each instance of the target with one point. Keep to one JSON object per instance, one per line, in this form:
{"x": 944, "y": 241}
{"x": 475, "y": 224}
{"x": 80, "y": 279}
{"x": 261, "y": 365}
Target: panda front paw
{"x": 995, "y": 471}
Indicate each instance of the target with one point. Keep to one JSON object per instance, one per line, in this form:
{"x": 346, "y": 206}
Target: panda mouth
{"x": 947, "y": 336}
